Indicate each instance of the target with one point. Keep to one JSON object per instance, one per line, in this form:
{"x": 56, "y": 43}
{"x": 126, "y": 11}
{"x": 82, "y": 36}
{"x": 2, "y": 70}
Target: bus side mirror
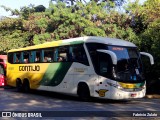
{"x": 112, "y": 54}
{"x": 148, "y": 55}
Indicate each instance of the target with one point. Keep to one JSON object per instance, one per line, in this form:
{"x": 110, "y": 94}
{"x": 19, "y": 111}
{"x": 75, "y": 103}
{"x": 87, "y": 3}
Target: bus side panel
{"x": 33, "y": 72}
{"x": 55, "y": 74}
{"x": 80, "y": 73}
{"x": 50, "y": 74}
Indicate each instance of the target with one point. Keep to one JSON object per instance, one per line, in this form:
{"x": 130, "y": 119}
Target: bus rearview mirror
{"x": 148, "y": 55}
{"x": 112, "y": 54}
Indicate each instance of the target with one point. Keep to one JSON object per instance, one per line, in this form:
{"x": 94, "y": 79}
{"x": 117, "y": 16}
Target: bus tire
{"x": 19, "y": 85}
{"x": 83, "y": 91}
{"x": 26, "y": 86}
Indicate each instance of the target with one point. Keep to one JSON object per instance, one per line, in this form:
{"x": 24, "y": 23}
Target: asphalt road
{"x": 70, "y": 107}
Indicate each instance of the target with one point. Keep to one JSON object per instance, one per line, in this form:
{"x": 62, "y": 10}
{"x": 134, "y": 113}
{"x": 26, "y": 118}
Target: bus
{"x": 3, "y": 63}
{"x": 90, "y": 66}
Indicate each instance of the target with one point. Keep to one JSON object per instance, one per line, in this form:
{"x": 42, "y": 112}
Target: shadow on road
{"x": 51, "y": 101}
{"x": 63, "y": 96}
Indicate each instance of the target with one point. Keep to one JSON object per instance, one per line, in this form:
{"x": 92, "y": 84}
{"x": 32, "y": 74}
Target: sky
{"x": 17, "y": 4}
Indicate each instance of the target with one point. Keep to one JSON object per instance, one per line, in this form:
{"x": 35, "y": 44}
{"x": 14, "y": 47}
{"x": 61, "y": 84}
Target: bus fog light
{"x": 119, "y": 87}
{"x": 143, "y": 87}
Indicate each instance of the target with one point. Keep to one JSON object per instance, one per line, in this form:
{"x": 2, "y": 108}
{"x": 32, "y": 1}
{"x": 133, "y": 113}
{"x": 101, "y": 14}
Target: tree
{"x": 146, "y": 24}
{"x": 112, "y": 3}
{"x": 150, "y": 11}
{"x": 40, "y": 8}
{"x": 25, "y": 11}
{"x": 89, "y": 19}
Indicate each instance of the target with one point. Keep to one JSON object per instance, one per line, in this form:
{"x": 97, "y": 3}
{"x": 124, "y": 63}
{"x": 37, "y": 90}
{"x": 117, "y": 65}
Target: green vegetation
{"x": 139, "y": 24}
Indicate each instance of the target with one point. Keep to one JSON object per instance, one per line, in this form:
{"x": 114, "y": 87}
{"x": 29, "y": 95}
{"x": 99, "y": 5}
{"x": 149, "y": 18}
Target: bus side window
{"x": 10, "y": 58}
{"x": 26, "y": 60}
{"x": 45, "y": 59}
{"x": 55, "y": 54}
{"x": 26, "y": 57}
{"x": 17, "y": 58}
{"x": 31, "y": 56}
{"x": 37, "y": 59}
{"x": 78, "y": 54}
{"x": 63, "y": 54}
{"x": 2, "y": 70}
{"x": 48, "y": 55}
{"x": 37, "y": 56}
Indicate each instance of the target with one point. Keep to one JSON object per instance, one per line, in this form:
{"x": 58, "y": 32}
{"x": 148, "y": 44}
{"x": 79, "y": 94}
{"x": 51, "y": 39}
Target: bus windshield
{"x": 129, "y": 66}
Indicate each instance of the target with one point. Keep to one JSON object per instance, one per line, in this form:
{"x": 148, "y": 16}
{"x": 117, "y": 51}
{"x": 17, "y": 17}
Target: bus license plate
{"x": 133, "y": 94}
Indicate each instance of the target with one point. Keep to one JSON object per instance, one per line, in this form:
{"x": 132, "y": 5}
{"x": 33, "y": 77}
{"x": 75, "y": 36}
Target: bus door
{"x": 104, "y": 70}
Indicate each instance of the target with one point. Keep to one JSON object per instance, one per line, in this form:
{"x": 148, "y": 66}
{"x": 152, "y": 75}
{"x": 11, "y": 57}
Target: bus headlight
{"x": 144, "y": 86}
{"x": 114, "y": 85}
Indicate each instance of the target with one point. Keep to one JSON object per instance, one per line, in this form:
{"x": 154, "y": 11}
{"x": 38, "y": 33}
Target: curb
{"x": 153, "y": 96}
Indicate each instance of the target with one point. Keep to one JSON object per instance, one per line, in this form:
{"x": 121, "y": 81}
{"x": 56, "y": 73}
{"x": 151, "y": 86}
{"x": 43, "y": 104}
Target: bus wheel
{"x": 83, "y": 91}
{"x": 26, "y": 86}
{"x": 19, "y": 85}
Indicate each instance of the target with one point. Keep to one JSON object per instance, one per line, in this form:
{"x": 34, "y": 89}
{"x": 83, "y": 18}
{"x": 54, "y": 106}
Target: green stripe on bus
{"x": 140, "y": 84}
{"x": 72, "y": 43}
{"x": 55, "y": 74}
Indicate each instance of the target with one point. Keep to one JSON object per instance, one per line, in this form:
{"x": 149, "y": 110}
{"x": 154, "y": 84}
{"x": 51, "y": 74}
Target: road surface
{"x": 70, "y": 107}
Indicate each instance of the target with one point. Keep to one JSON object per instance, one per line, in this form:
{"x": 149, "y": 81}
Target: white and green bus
{"x": 85, "y": 66}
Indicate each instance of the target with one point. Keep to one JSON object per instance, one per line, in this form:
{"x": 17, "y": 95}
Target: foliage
{"x": 87, "y": 20}
{"x": 146, "y": 24}
{"x": 36, "y": 23}
{"x": 11, "y": 24}
{"x": 60, "y": 21}
{"x": 111, "y": 3}
{"x": 150, "y": 42}
{"x": 40, "y": 8}
{"x": 25, "y": 11}
{"x": 150, "y": 11}
{"x": 41, "y": 38}
{"x": 15, "y": 39}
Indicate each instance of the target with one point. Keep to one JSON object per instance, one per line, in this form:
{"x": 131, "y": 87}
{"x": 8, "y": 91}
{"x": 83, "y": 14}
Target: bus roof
{"x": 109, "y": 41}
{"x": 3, "y": 56}
{"x": 71, "y": 41}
